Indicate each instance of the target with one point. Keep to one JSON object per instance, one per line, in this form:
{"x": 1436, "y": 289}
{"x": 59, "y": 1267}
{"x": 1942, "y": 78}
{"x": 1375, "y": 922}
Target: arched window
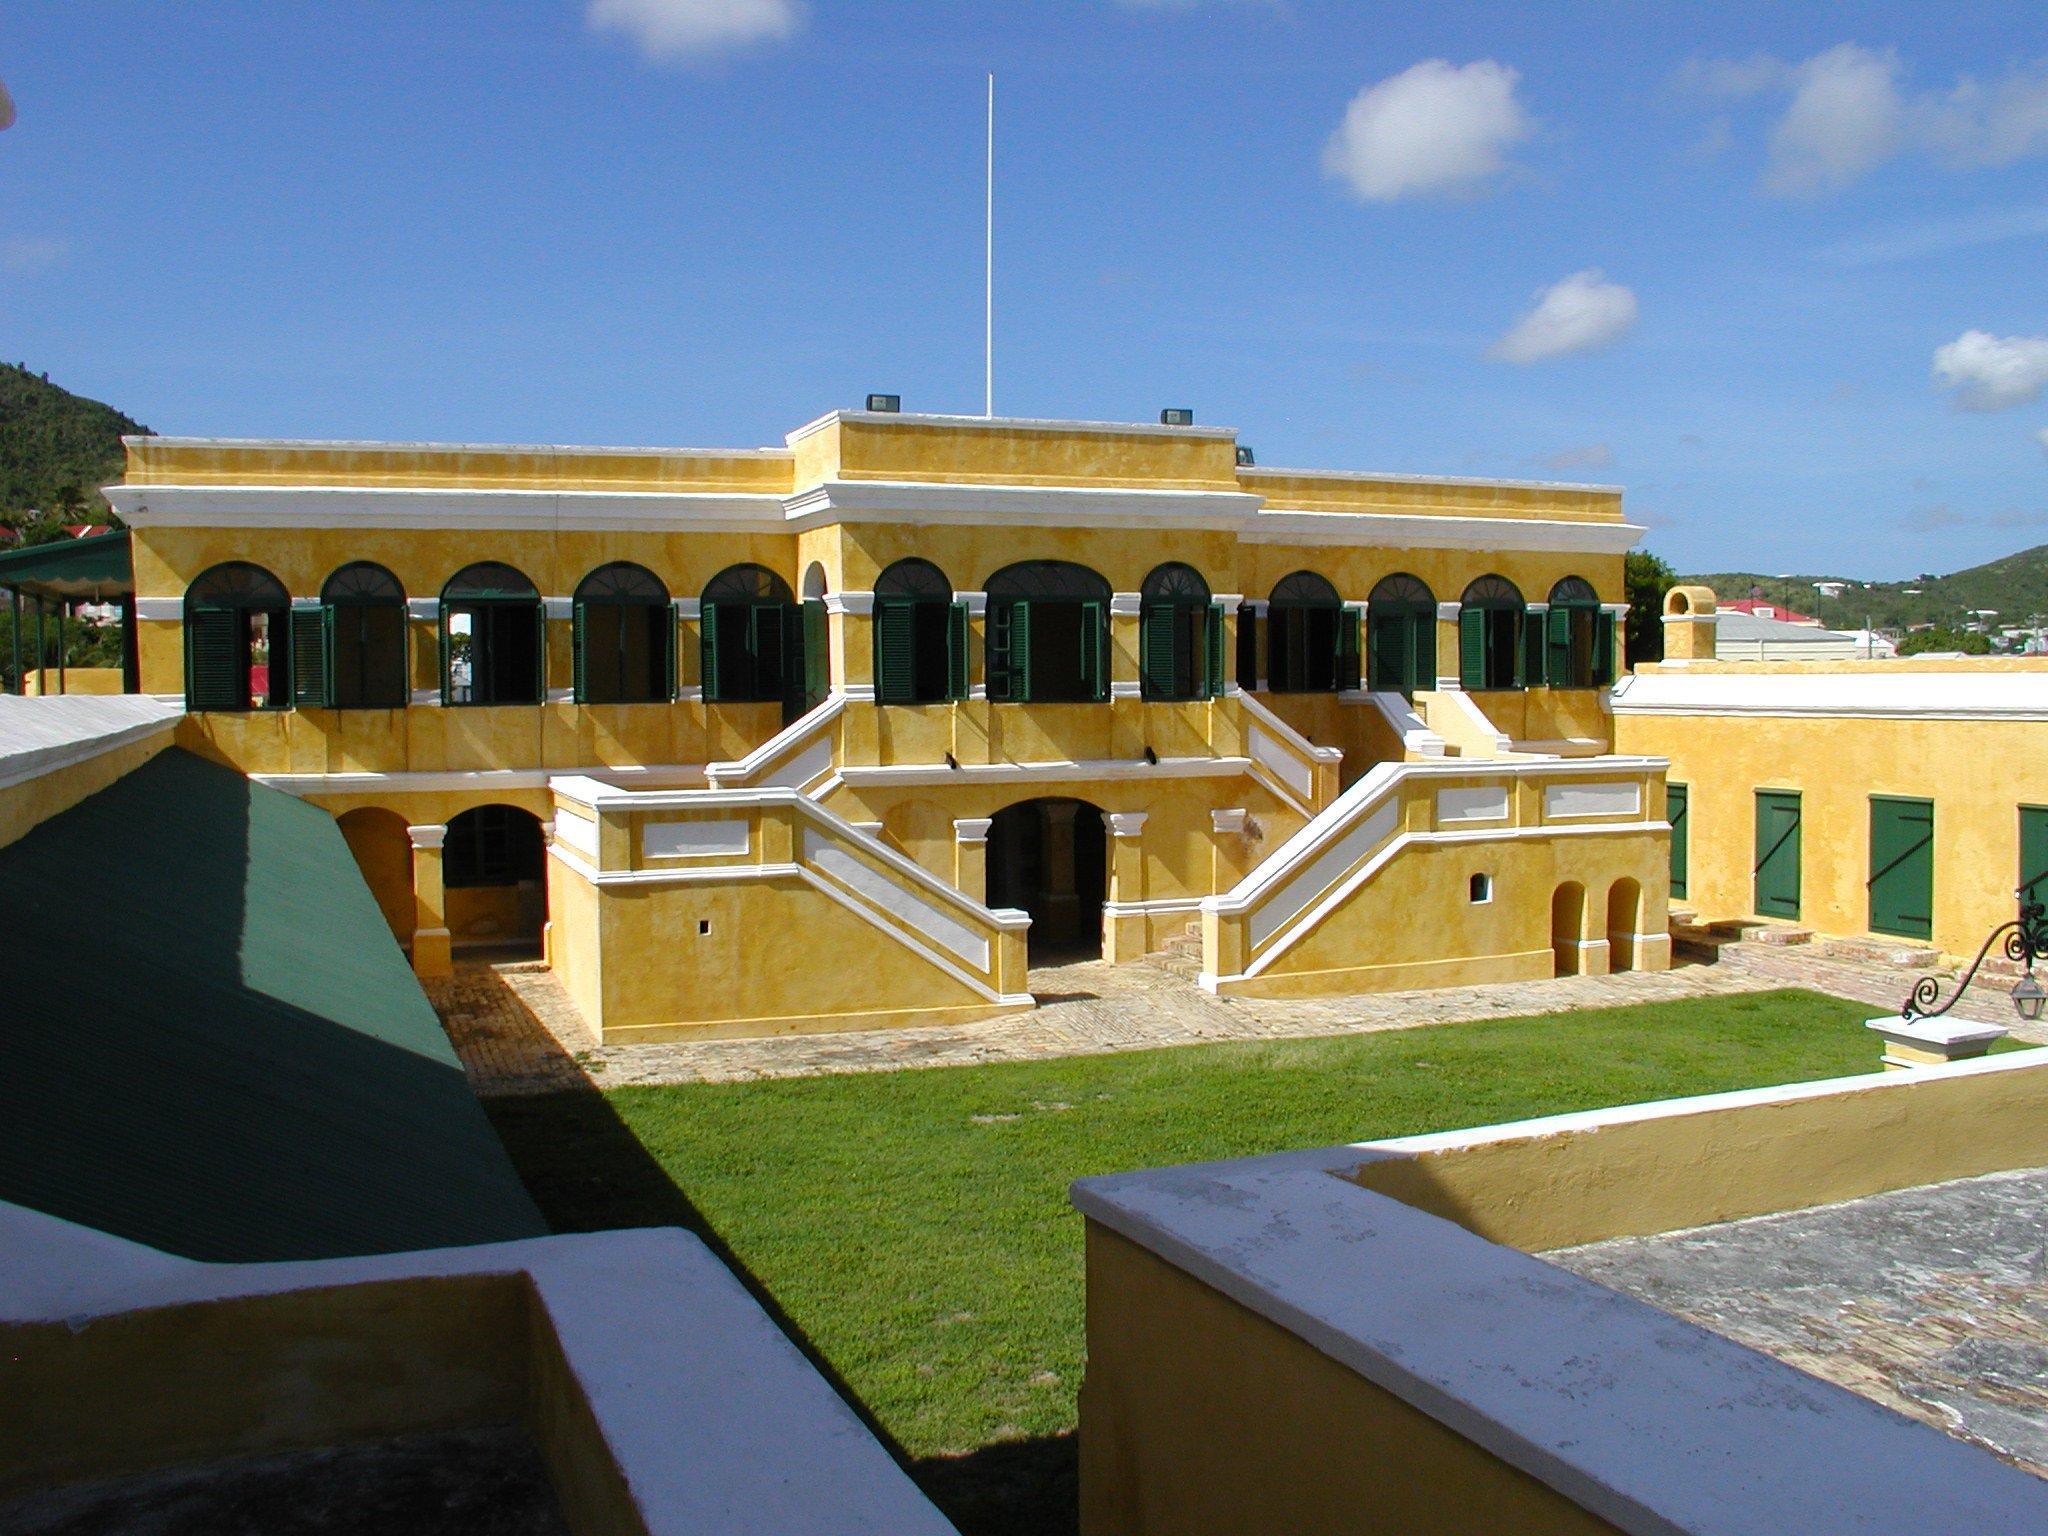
{"x": 491, "y": 628}
{"x": 1400, "y": 635}
{"x": 1579, "y": 637}
{"x": 1491, "y": 622}
{"x": 920, "y": 636}
{"x": 1048, "y": 633}
{"x": 1180, "y": 635}
{"x": 350, "y": 652}
{"x": 624, "y": 636}
{"x": 1311, "y": 638}
{"x": 236, "y": 653}
{"x": 752, "y": 637}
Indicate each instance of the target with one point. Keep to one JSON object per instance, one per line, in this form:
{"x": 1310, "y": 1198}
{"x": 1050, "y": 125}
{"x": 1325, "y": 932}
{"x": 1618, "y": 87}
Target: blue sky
{"x": 1796, "y": 258}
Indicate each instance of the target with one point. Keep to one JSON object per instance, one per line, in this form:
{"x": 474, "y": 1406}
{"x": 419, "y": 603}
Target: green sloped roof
{"x": 88, "y": 570}
{"x": 210, "y": 1042}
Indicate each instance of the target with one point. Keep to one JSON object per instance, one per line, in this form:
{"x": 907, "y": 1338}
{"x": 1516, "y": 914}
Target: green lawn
{"x": 913, "y": 1231}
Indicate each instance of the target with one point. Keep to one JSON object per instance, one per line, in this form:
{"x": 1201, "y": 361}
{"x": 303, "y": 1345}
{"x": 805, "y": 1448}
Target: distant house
{"x": 1756, "y": 607}
{"x": 1743, "y": 634}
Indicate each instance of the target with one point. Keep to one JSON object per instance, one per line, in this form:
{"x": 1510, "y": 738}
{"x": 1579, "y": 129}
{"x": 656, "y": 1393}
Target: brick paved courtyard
{"x": 517, "y": 1031}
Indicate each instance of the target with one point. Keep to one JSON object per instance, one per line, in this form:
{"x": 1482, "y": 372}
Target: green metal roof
{"x": 210, "y": 1042}
{"x": 88, "y": 570}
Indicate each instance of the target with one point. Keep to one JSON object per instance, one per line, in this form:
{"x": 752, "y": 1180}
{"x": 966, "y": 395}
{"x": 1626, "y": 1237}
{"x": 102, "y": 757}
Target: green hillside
{"x": 56, "y": 448}
{"x": 2014, "y": 587}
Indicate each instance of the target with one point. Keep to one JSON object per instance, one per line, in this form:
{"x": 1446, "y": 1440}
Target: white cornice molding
{"x": 368, "y": 445}
{"x": 1884, "y": 692}
{"x": 1422, "y": 530}
{"x": 1030, "y": 506}
{"x": 1084, "y": 770}
{"x": 1382, "y": 477}
{"x": 352, "y": 506}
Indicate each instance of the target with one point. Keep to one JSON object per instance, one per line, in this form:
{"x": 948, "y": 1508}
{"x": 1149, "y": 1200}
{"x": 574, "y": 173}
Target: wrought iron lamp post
{"x": 2026, "y": 940}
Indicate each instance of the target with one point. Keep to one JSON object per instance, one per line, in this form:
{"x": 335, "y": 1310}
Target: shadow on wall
{"x": 589, "y": 1172}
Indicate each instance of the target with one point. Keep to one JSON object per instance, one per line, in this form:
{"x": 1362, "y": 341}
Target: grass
{"x": 912, "y": 1229}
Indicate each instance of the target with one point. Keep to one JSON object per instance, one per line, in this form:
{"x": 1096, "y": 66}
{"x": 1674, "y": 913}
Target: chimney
{"x": 1689, "y": 624}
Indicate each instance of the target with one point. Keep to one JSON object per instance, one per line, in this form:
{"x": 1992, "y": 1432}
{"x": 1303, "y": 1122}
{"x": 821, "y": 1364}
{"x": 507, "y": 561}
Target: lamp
{"x": 2026, "y": 940}
{"x": 2027, "y": 997}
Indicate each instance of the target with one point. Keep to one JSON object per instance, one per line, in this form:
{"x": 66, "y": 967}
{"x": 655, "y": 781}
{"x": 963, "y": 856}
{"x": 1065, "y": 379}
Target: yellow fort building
{"x": 833, "y": 734}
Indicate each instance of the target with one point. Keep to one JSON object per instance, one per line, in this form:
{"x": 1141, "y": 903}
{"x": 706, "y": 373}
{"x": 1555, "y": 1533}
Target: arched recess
{"x": 237, "y": 655}
{"x": 1048, "y": 633}
{"x": 491, "y": 627}
{"x": 751, "y": 633}
{"x": 494, "y": 873}
{"x": 1400, "y": 635}
{"x": 1624, "y": 922}
{"x": 1180, "y": 635}
{"x": 1567, "y": 926}
{"x": 920, "y": 636}
{"x": 383, "y": 852}
{"x": 817, "y": 633}
{"x": 1050, "y": 857}
{"x": 1311, "y": 638}
{"x": 356, "y": 657}
{"x": 624, "y": 636}
{"x": 1491, "y": 622}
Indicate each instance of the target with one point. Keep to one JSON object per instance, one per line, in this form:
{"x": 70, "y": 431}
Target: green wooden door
{"x": 2033, "y": 877}
{"x": 1677, "y": 806}
{"x": 1902, "y": 866}
{"x": 1777, "y": 853}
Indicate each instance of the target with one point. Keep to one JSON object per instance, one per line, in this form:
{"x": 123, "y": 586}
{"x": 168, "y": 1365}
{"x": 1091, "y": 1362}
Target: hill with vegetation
{"x": 2015, "y": 588}
{"x": 56, "y": 449}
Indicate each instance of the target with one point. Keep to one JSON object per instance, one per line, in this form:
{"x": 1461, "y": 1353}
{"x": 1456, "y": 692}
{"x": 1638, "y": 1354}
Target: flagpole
{"x": 988, "y": 265}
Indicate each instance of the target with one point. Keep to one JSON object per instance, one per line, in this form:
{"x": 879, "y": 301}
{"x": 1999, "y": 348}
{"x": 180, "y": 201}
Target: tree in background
{"x": 1968, "y": 642}
{"x": 1648, "y": 578}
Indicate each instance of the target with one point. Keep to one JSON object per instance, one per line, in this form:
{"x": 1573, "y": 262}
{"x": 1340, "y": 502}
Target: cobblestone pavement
{"x": 517, "y": 1031}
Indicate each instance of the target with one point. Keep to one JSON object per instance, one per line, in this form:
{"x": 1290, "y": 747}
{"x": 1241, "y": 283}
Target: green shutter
{"x": 579, "y": 637}
{"x": 447, "y": 652}
{"x": 309, "y": 655}
{"x": 895, "y": 651}
{"x": 668, "y": 651}
{"x": 1558, "y": 669}
{"x": 1020, "y": 652}
{"x": 540, "y": 652}
{"x": 817, "y": 653}
{"x": 1902, "y": 867}
{"x": 215, "y": 676}
{"x": 1347, "y": 648}
{"x": 1777, "y": 853}
{"x": 1529, "y": 655}
{"x": 1158, "y": 665}
{"x": 1247, "y": 647}
{"x": 1603, "y": 650}
{"x": 956, "y": 651}
{"x": 2033, "y": 879}
{"x": 1677, "y": 811}
{"x": 1212, "y": 651}
{"x": 1472, "y": 648}
{"x": 1094, "y": 650}
{"x": 707, "y": 652}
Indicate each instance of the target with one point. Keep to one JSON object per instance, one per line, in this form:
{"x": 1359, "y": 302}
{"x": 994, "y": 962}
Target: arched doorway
{"x": 1624, "y": 899}
{"x": 1049, "y": 857}
{"x": 383, "y": 851}
{"x": 494, "y": 874}
{"x": 1567, "y": 925}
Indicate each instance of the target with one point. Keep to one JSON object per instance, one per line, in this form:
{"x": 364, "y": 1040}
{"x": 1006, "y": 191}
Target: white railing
{"x": 1286, "y": 761}
{"x": 799, "y": 756}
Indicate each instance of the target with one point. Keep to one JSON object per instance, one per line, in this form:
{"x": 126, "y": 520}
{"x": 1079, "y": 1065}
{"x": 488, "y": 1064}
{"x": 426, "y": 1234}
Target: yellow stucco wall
{"x": 33, "y": 801}
{"x": 1310, "y": 1444}
{"x": 1554, "y": 1185}
{"x": 1978, "y": 773}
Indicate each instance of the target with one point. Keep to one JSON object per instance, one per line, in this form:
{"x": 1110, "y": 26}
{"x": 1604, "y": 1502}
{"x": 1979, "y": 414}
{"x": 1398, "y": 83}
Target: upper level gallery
{"x": 676, "y": 606}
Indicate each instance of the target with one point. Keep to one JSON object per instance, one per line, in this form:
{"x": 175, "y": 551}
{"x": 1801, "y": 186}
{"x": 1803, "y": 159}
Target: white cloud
{"x": 1434, "y": 129}
{"x": 6, "y": 107}
{"x": 1591, "y": 456}
{"x": 670, "y": 31}
{"x": 1991, "y": 373}
{"x": 1938, "y": 238}
{"x": 1847, "y": 113}
{"x": 1845, "y": 119}
{"x": 1996, "y": 125}
{"x": 2042, "y": 437}
{"x": 24, "y": 254}
{"x": 1580, "y": 314}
